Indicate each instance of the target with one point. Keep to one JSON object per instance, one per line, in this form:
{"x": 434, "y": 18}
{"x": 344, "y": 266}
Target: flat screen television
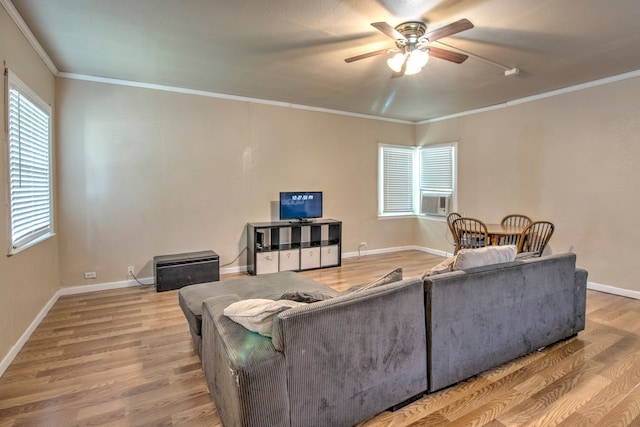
{"x": 300, "y": 205}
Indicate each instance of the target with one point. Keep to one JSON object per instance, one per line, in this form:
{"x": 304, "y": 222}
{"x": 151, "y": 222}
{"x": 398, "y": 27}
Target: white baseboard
{"x": 396, "y": 249}
{"x": 377, "y": 251}
{"x": 435, "y": 252}
{"x": 613, "y": 290}
{"x": 230, "y": 270}
{"x": 83, "y": 289}
{"x": 13, "y": 352}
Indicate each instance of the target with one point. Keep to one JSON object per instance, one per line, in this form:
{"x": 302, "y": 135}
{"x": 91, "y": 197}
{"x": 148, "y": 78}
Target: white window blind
{"x": 397, "y": 180}
{"x": 29, "y": 165}
{"x": 437, "y": 169}
{"x": 408, "y": 174}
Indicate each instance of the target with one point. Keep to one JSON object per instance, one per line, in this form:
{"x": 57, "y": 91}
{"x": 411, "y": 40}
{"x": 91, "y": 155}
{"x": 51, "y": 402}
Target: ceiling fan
{"x": 413, "y": 50}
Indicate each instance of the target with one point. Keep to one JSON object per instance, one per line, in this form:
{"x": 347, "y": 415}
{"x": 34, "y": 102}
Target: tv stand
{"x": 301, "y": 221}
{"x": 293, "y": 245}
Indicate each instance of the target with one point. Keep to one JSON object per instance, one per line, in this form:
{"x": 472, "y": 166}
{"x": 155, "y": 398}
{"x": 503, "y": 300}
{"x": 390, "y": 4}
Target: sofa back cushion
{"x": 482, "y": 317}
{"x": 471, "y": 258}
{"x": 358, "y": 354}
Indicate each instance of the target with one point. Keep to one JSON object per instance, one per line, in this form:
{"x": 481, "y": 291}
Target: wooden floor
{"x": 124, "y": 358}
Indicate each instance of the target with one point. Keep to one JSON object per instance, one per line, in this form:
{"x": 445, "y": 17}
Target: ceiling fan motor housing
{"x": 412, "y": 31}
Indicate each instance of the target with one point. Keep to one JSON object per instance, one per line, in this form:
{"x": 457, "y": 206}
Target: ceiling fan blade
{"x": 448, "y": 30}
{"x": 388, "y": 30}
{"x": 366, "y": 55}
{"x": 448, "y": 55}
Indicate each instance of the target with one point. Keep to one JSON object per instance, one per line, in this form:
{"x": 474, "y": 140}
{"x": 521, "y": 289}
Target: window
{"x": 396, "y": 180}
{"x": 409, "y": 174}
{"x": 436, "y": 169}
{"x": 30, "y": 201}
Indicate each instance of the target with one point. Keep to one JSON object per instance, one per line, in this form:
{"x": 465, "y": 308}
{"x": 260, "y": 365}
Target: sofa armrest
{"x": 246, "y": 376}
{"x": 580, "y": 301}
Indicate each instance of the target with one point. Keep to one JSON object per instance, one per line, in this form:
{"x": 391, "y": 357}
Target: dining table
{"x": 496, "y": 231}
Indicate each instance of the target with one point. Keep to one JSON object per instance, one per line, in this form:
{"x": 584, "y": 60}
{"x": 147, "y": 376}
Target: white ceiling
{"x": 293, "y": 51}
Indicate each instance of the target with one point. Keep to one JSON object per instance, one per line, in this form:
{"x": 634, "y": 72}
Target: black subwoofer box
{"x": 179, "y": 270}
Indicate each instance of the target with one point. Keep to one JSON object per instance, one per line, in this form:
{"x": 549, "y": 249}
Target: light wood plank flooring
{"x": 124, "y": 358}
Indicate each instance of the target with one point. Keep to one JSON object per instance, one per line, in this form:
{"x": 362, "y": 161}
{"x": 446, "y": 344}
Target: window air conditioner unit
{"x": 435, "y": 205}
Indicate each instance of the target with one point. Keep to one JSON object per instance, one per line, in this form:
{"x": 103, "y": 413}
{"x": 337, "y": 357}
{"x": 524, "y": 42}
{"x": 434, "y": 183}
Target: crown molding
{"x": 569, "y": 89}
{"x": 595, "y": 83}
{"x": 107, "y": 80}
{"x": 13, "y": 13}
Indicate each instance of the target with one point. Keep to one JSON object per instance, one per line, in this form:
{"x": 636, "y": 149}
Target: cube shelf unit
{"x": 296, "y": 246}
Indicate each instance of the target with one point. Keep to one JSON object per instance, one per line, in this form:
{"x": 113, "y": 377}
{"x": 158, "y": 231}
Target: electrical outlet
{"x": 363, "y": 245}
{"x": 90, "y": 275}
{"x": 130, "y": 270}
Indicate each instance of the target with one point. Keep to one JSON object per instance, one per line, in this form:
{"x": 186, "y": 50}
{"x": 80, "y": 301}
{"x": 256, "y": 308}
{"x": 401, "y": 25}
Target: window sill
{"x": 397, "y": 216}
{"x": 419, "y": 216}
{"x": 34, "y": 242}
{"x": 433, "y": 217}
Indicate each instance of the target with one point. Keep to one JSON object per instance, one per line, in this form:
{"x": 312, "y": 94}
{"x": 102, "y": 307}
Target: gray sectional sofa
{"x": 329, "y": 363}
{"x": 340, "y": 361}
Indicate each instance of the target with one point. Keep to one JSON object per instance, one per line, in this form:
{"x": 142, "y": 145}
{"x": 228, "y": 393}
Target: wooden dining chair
{"x": 450, "y": 218}
{"x": 471, "y": 233}
{"x": 517, "y": 220}
{"x": 535, "y": 237}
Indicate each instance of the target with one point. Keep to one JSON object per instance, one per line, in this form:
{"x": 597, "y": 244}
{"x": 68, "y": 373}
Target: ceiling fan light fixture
{"x": 396, "y": 61}
{"x": 419, "y": 58}
{"x": 416, "y": 59}
{"x": 412, "y": 69}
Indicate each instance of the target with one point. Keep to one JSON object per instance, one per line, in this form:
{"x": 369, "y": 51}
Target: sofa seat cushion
{"x": 267, "y": 286}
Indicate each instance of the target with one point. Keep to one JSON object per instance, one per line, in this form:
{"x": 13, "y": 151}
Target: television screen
{"x": 301, "y": 205}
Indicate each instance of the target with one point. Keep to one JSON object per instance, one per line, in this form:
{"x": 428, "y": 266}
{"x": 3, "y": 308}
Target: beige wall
{"x": 572, "y": 159}
{"x": 145, "y": 172}
{"x": 30, "y": 278}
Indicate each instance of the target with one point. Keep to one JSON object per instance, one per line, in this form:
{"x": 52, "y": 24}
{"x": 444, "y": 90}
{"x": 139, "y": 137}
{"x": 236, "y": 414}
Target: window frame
{"x": 46, "y": 229}
{"x": 416, "y": 165}
{"x": 382, "y": 173}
